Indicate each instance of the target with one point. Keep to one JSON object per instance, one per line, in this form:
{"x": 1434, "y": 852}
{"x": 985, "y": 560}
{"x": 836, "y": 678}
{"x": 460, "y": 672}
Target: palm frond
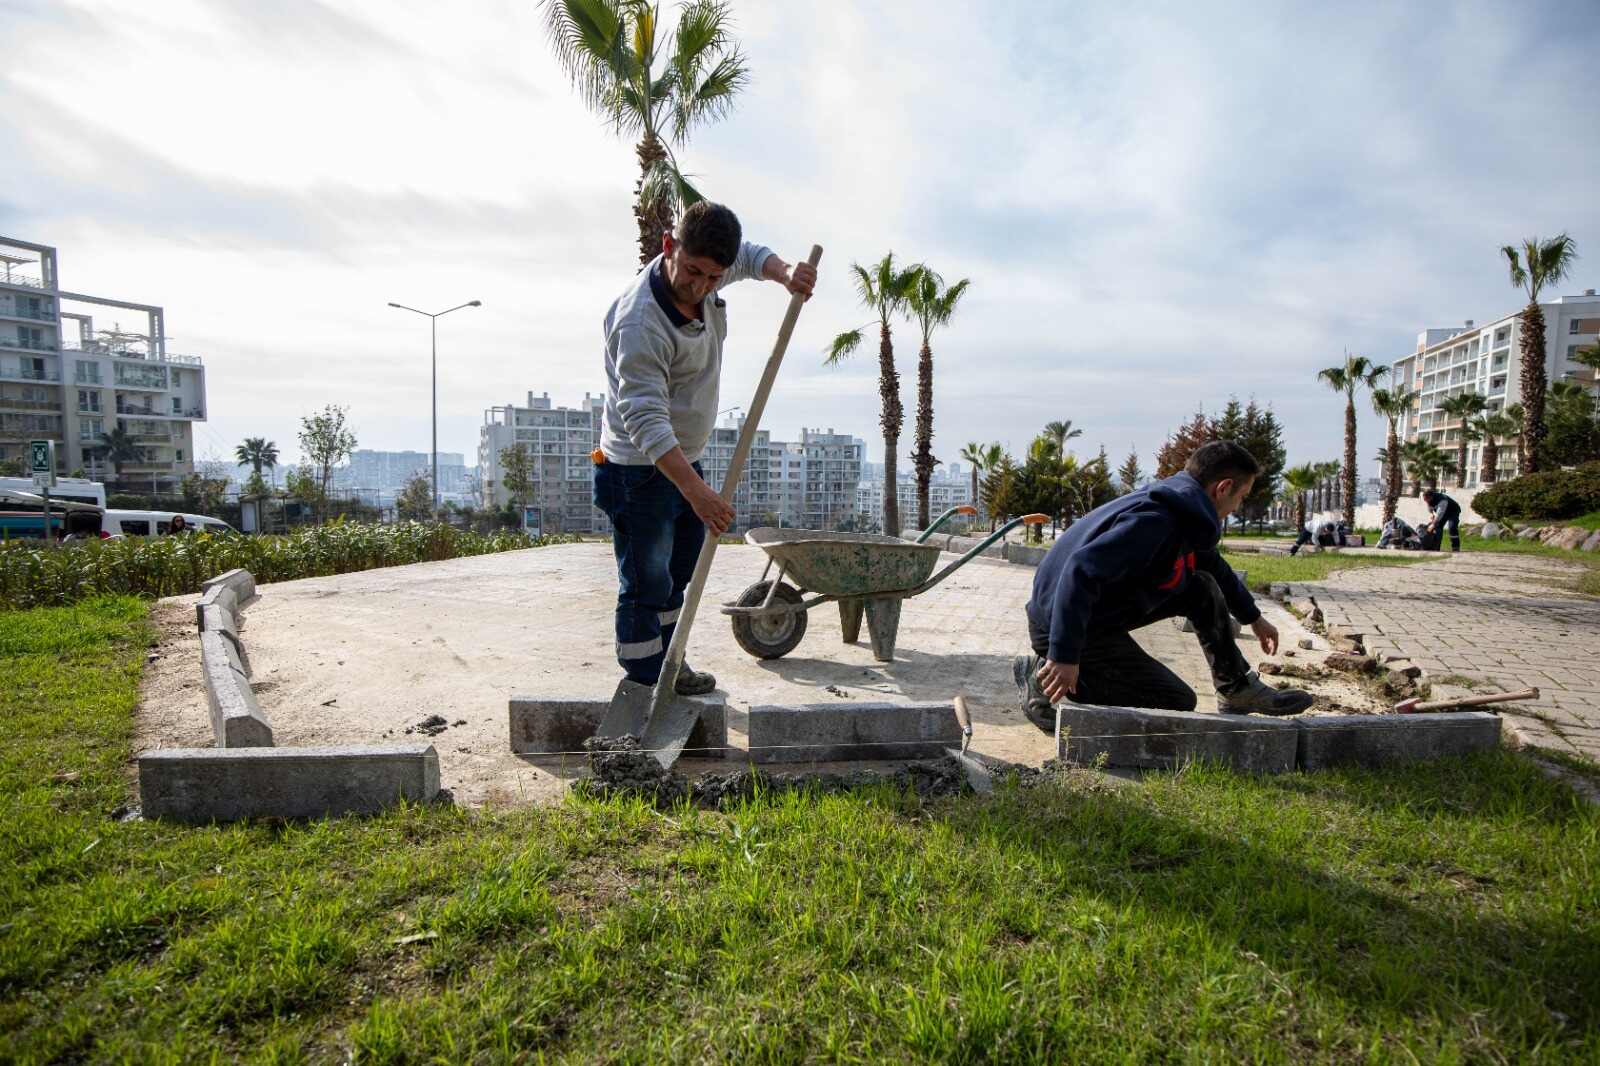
{"x": 866, "y": 289}
{"x": 586, "y": 36}
{"x": 1334, "y": 377}
{"x": 710, "y": 98}
{"x": 843, "y": 346}
{"x": 952, "y": 296}
{"x": 1519, "y": 277}
{"x": 664, "y": 181}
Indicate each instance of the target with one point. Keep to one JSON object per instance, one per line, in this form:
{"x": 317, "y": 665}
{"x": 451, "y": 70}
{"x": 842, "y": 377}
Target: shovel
{"x": 1416, "y": 706}
{"x": 660, "y": 717}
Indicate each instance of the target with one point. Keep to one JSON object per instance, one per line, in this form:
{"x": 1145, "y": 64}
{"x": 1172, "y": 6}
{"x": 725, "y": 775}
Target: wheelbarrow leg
{"x": 850, "y": 618}
{"x": 883, "y": 624}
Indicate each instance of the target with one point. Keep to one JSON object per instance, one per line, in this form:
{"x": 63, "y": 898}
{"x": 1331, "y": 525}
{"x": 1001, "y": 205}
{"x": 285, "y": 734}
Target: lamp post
{"x": 433, "y": 323}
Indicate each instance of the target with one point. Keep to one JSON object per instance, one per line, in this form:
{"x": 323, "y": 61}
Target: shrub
{"x": 32, "y": 575}
{"x": 1549, "y": 494}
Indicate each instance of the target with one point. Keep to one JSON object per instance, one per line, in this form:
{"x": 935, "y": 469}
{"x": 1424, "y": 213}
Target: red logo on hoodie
{"x": 1181, "y": 566}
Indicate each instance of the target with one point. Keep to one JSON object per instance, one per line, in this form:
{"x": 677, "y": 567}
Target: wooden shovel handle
{"x": 1477, "y": 701}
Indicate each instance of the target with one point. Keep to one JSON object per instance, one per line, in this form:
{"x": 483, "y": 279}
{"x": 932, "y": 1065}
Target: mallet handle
{"x": 1475, "y": 701}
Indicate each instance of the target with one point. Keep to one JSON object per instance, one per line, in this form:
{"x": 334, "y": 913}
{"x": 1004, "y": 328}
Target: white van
{"x": 157, "y": 523}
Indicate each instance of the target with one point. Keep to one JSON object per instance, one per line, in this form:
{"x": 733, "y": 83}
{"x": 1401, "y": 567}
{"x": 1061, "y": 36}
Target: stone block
{"x": 242, "y": 582}
{"x": 1023, "y": 554}
{"x": 221, "y": 597}
{"x": 237, "y": 720}
{"x": 1491, "y": 531}
{"x": 1569, "y": 538}
{"x": 1351, "y": 662}
{"x": 1387, "y": 739}
{"x": 542, "y": 725}
{"x": 205, "y": 785}
{"x": 824, "y": 732}
{"x": 1592, "y": 544}
{"x": 1163, "y": 740}
{"x": 213, "y": 616}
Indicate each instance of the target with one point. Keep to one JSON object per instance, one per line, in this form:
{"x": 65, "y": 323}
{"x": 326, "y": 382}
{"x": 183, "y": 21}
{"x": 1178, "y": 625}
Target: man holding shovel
{"x": 664, "y": 338}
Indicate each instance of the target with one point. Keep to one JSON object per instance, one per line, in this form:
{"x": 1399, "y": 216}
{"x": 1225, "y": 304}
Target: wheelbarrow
{"x": 867, "y": 575}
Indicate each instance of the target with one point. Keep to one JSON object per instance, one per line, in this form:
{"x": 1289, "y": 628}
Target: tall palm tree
{"x": 650, "y": 86}
{"x": 259, "y": 452}
{"x": 1299, "y": 480}
{"x": 1061, "y": 432}
{"x": 1539, "y": 264}
{"x": 975, "y": 455}
{"x": 1356, "y": 372}
{"x": 1515, "y": 412}
{"x": 884, "y": 288}
{"x": 1392, "y": 404}
{"x": 1428, "y": 463}
{"x": 932, "y": 304}
{"x": 1461, "y": 407}
{"x": 118, "y": 447}
{"x": 1490, "y": 428}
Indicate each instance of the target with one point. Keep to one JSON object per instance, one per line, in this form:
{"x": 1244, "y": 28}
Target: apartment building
{"x": 560, "y": 441}
{"x": 379, "y": 476}
{"x": 1487, "y": 359}
{"x": 65, "y": 379}
{"x": 946, "y": 489}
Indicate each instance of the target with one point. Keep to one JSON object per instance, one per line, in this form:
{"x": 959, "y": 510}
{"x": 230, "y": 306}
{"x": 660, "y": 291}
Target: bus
{"x": 74, "y": 489}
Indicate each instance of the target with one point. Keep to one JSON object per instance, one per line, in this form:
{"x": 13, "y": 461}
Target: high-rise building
{"x": 382, "y": 475}
{"x": 559, "y": 441}
{"x": 1488, "y": 360}
{"x": 76, "y": 388}
{"x": 944, "y": 492}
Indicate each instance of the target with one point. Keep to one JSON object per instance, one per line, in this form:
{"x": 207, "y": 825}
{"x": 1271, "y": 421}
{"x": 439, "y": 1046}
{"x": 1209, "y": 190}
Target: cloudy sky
{"x": 1157, "y": 210}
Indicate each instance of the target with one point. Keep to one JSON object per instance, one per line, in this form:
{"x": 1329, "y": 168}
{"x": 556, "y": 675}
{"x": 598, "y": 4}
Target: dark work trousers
{"x": 1115, "y": 671}
{"x": 656, "y": 541}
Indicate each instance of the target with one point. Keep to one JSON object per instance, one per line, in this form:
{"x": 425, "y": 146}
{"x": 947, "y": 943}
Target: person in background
{"x": 178, "y": 525}
{"x": 1398, "y": 533}
{"x": 1446, "y": 513}
{"x": 1322, "y": 531}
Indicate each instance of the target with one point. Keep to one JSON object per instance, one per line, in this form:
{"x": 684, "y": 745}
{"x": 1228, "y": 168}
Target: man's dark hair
{"x": 711, "y": 231}
{"x": 1431, "y": 494}
{"x": 1221, "y": 459}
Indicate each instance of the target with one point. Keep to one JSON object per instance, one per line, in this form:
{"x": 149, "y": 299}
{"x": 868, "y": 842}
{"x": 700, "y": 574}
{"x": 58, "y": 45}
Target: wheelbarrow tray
{"x": 846, "y": 564}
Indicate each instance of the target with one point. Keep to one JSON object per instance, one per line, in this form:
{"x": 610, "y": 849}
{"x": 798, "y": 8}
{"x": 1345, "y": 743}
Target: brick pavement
{"x": 1511, "y": 621}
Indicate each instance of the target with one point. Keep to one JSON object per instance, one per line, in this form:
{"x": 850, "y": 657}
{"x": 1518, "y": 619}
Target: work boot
{"x": 1035, "y": 704}
{"x": 1255, "y": 696}
{"x": 692, "y": 682}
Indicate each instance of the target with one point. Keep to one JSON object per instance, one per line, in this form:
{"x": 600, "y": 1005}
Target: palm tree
{"x": 1490, "y": 428}
{"x": 118, "y": 447}
{"x": 976, "y": 455}
{"x": 258, "y": 452}
{"x": 932, "y": 305}
{"x": 1356, "y": 372}
{"x": 1461, "y": 407}
{"x": 613, "y": 52}
{"x": 1326, "y": 473}
{"x": 1428, "y": 463}
{"x": 1392, "y": 404}
{"x": 1299, "y": 480}
{"x": 1540, "y": 263}
{"x": 883, "y": 289}
{"x": 1515, "y": 412}
{"x": 1061, "y": 432}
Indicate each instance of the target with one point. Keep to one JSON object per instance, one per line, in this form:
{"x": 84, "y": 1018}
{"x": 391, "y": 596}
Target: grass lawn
{"x": 1265, "y": 569}
{"x": 1447, "y": 912}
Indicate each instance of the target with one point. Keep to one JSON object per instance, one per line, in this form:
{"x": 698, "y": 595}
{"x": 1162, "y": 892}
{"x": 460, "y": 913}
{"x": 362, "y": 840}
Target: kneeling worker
{"x": 1141, "y": 558}
{"x": 1446, "y": 514}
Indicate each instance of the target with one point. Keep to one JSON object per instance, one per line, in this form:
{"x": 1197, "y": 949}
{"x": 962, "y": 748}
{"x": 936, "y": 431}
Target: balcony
{"x": 16, "y": 403}
{"x": 28, "y": 373}
{"x": 31, "y": 315}
{"x": 26, "y": 345}
{"x": 151, "y": 382}
{"x": 26, "y": 280}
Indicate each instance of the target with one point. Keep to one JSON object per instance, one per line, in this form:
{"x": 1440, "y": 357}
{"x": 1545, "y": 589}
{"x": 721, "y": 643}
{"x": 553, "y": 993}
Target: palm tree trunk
{"x": 1300, "y": 512}
{"x": 1534, "y": 383}
{"x": 1491, "y": 461}
{"x": 655, "y": 218}
{"x": 974, "y": 484}
{"x": 1349, "y": 493}
{"x": 1461, "y": 456}
{"x": 892, "y": 419}
{"x": 923, "y": 460}
{"x": 1391, "y": 495}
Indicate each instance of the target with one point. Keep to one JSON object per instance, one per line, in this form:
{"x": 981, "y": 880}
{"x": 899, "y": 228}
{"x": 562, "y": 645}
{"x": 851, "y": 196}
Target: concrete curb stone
{"x": 826, "y": 732}
{"x": 237, "y": 721}
{"x": 1165, "y": 740}
{"x": 1383, "y": 740}
{"x": 200, "y": 785}
{"x": 542, "y": 725}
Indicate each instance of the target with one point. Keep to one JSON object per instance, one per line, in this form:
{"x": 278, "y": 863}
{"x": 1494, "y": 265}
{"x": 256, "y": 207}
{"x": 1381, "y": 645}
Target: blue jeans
{"x": 656, "y": 541}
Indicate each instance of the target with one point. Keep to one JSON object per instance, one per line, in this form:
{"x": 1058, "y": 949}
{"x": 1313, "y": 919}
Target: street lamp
{"x": 433, "y": 322}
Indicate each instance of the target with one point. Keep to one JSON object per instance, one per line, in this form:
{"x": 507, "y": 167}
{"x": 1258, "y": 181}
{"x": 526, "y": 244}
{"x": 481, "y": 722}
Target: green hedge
{"x": 32, "y": 575}
{"x": 1549, "y": 494}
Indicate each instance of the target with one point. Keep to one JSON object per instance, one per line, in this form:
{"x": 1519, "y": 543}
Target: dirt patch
{"x": 172, "y": 694}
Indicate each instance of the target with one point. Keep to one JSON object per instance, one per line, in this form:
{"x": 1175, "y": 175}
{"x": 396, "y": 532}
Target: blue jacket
{"x": 1120, "y": 564}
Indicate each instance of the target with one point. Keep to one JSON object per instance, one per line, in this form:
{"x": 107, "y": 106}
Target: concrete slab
{"x": 546, "y": 725}
{"x": 237, "y": 720}
{"x": 1162, "y": 740}
{"x": 825, "y": 732}
{"x": 206, "y": 785}
{"x": 1386, "y": 739}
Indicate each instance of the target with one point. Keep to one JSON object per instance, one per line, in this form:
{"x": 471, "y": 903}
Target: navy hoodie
{"x": 1120, "y": 563}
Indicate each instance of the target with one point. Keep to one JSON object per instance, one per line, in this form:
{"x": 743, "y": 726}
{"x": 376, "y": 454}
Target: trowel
{"x": 660, "y": 717}
{"x": 979, "y": 777}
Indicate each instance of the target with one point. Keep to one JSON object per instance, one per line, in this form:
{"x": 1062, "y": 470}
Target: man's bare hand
{"x": 802, "y": 280}
{"x": 711, "y": 509}
{"x": 1267, "y": 634}
{"x": 1058, "y": 679}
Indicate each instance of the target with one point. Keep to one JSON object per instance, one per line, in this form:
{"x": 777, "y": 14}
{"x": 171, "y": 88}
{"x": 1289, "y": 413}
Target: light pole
{"x": 433, "y": 324}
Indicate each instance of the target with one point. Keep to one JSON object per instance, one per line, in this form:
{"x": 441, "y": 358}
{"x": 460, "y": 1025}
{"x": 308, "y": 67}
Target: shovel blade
{"x": 629, "y": 710}
{"x": 667, "y": 731}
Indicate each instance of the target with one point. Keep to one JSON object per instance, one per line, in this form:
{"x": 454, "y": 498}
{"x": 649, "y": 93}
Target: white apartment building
{"x": 75, "y": 388}
{"x": 946, "y": 489}
{"x": 1487, "y": 359}
{"x": 380, "y": 476}
{"x": 561, "y": 441}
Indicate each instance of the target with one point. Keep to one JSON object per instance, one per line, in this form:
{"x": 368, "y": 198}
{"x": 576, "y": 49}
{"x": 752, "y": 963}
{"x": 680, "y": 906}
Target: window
{"x": 88, "y": 400}
{"x": 178, "y": 456}
{"x": 89, "y": 429}
{"x": 177, "y": 378}
{"x": 177, "y": 405}
{"x": 87, "y": 372}
{"x": 136, "y": 527}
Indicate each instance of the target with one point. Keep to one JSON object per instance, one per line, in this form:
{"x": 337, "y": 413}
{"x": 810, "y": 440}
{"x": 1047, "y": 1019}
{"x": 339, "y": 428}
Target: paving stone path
{"x": 1511, "y": 621}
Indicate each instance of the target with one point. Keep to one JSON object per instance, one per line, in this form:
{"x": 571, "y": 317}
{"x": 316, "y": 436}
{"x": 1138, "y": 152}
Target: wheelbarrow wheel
{"x": 770, "y": 636}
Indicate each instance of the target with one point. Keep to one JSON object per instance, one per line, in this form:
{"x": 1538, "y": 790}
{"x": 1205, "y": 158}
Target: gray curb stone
{"x": 205, "y": 785}
{"x": 544, "y": 725}
{"x": 824, "y": 732}
{"x": 1164, "y": 740}
{"x": 1385, "y": 740}
{"x": 242, "y": 582}
{"x": 237, "y": 720}
{"x": 217, "y": 598}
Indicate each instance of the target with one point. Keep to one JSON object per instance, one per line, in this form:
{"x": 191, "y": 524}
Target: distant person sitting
{"x": 1398, "y": 533}
{"x": 178, "y": 525}
{"x": 1446, "y": 513}
{"x": 1323, "y": 532}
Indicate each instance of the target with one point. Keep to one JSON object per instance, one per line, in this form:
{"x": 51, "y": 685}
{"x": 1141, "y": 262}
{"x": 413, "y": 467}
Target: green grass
{"x": 1265, "y": 569}
{"x": 1443, "y": 912}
